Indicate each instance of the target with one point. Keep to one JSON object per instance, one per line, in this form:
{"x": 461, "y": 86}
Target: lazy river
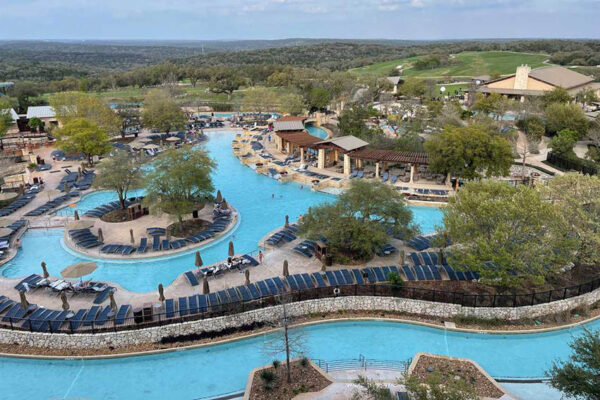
{"x": 261, "y": 201}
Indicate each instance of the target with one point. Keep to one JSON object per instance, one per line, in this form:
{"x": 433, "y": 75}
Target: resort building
{"x": 528, "y": 82}
{"x": 44, "y": 113}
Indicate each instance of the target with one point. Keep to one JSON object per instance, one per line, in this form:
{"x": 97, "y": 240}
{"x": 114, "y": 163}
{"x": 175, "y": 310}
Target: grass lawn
{"x": 469, "y": 64}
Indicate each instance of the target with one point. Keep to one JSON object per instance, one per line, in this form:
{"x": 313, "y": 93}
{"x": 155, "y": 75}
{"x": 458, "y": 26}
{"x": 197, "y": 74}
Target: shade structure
{"x": 247, "y": 273}
{"x": 205, "y": 288}
{"x": 65, "y": 303}
{"x": 173, "y": 139}
{"x": 231, "y": 250}
{"x": 100, "y": 235}
{"x": 198, "y": 262}
{"x": 113, "y": 303}
{"x": 286, "y": 268}
{"x": 24, "y": 302}
{"x": 5, "y": 231}
{"x": 150, "y": 147}
{"x": 161, "y": 292}
{"x": 45, "y": 273}
{"x": 78, "y": 270}
{"x": 219, "y": 197}
{"x": 81, "y": 224}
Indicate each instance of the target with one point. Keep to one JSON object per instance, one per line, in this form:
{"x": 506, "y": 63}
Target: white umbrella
{"x": 150, "y": 147}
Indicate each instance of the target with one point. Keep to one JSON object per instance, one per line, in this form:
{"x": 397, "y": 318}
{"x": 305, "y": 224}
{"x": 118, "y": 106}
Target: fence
{"x": 152, "y": 319}
{"x": 362, "y": 363}
{"x": 584, "y": 166}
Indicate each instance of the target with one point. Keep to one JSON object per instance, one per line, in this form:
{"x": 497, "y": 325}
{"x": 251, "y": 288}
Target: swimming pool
{"x": 316, "y": 131}
{"x": 223, "y": 368}
{"x": 249, "y": 192}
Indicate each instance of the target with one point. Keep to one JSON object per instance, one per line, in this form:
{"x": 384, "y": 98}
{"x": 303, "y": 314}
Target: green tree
{"x": 6, "y": 122}
{"x": 72, "y": 105}
{"x": 579, "y": 377}
{"x": 487, "y": 105}
{"x": 292, "y": 104}
{"x": 586, "y": 96}
{"x": 413, "y": 87}
{"x": 36, "y": 124}
{"x": 162, "y": 112}
{"x": 509, "y": 235}
{"x": 578, "y": 198}
{"x": 469, "y": 152}
{"x": 562, "y": 144}
{"x": 556, "y": 95}
{"x": 353, "y": 122}
{"x": 84, "y": 137}
{"x": 355, "y": 225}
{"x": 122, "y": 172}
{"x": 179, "y": 182}
{"x": 533, "y": 128}
{"x": 225, "y": 80}
{"x": 259, "y": 99}
{"x": 566, "y": 116}
{"x": 318, "y": 99}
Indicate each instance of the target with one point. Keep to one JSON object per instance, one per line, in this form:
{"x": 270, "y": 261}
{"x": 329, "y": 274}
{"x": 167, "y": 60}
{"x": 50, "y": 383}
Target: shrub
{"x": 304, "y": 362}
{"x": 395, "y": 279}
{"x": 268, "y": 379}
{"x": 276, "y": 364}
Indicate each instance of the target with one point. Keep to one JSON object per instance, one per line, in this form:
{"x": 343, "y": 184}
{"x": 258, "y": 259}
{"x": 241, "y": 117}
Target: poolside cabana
{"x": 291, "y": 141}
{"x": 329, "y": 151}
{"x": 382, "y": 158}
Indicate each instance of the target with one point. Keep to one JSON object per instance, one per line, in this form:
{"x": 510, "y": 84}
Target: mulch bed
{"x": 117, "y": 215}
{"x": 190, "y": 227}
{"x": 304, "y": 379}
{"x": 451, "y": 369}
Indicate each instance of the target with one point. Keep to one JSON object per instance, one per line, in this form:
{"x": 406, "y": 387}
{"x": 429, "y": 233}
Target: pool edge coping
{"x": 303, "y": 324}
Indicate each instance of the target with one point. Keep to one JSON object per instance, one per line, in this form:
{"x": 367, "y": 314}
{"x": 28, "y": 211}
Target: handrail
{"x": 362, "y": 363}
{"x": 376, "y": 290}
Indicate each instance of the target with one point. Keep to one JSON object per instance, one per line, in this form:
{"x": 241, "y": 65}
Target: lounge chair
{"x": 191, "y": 278}
{"x": 331, "y": 278}
{"x": 104, "y": 315}
{"x": 361, "y": 174}
{"x": 57, "y": 322}
{"x": 156, "y": 243}
{"x": 358, "y": 277}
{"x": 169, "y": 308}
{"x": 183, "y": 306}
{"x": 244, "y": 293}
{"x": 233, "y": 295}
{"x": 77, "y": 319}
{"x": 394, "y": 179}
{"x": 103, "y": 295}
{"x": 143, "y": 245}
{"x": 386, "y": 175}
{"x": 165, "y": 245}
{"x": 91, "y": 316}
{"x": 122, "y": 314}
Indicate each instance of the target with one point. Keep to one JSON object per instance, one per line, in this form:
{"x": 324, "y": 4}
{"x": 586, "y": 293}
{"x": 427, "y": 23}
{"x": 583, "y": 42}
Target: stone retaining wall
{"x": 272, "y": 314}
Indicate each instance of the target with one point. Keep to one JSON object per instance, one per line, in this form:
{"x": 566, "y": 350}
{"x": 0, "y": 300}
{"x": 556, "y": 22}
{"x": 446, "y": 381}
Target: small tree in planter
{"x": 36, "y": 124}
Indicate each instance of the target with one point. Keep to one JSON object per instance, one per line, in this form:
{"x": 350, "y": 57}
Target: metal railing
{"x": 362, "y": 363}
{"x": 162, "y": 317}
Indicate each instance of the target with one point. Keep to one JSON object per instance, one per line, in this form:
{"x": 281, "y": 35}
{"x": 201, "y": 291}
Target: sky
{"x": 277, "y": 19}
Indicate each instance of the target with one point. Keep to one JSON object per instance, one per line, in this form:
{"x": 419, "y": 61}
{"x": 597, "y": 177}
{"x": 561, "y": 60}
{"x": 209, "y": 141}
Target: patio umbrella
{"x": 161, "y": 292}
{"x": 150, "y": 147}
{"x": 81, "y": 224}
{"x": 79, "y": 269}
{"x": 100, "y": 235}
{"x": 173, "y": 139}
{"x": 205, "y": 288}
{"x": 286, "y": 269}
{"x": 287, "y": 221}
{"x": 76, "y": 215}
{"x": 219, "y": 197}
{"x": 247, "y": 273}
{"x": 113, "y": 303}
{"x": 65, "y": 303}
{"x": 45, "y": 271}
{"x": 198, "y": 259}
{"x": 231, "y": 251}
{"x": 131, "y": 236}
{"x": 24, "y": 302}
{"x": 5, "y": 231}
{"x": 224, "y": 205}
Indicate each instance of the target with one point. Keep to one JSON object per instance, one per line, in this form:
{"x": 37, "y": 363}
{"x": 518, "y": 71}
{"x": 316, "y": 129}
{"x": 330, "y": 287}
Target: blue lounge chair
{"x": 77, "y": 319}
{"x": 347, "y": 276}
{"x": 361, "y": 174}
{"x": 202, "y": 303}
{"x": 183, "y": 306}
{"x": 193, "y": 304}
{"x": 57, "y": 322}
{"x": 253, "y": 291}
{"x": 104, "y": 315}
{"x": 244, "y": 293}
{"x": 379, "y": 274}
{"x": 339, "y": 277}
{"x": 165, "y": 245}
{"x": 386, "y": 175}
{"x": 45, "y": 323}
{"x": 143, "y": 245}
{"x": 419, "y": 272}
{"x": 280, "y": 285}
{"x": 436, "y": 273}
{"x": 331, "y": 278}
{"x": 213, "y": 300}
{"x": 191, "y": 278}
{"x": 233, "y": 295}
{"x": 299, "y": 281}
{"x": 122, "y": 314}
{"x": 91, "y": 316}
{"x": 428, "y": 272}
{"x": 358, "y": 277}
{"x": 307, "y": 281}
{"x": 370, "y": 275}
{"x": 103, "y": 295}
{"x": 394, "y": 179}
{"x": 354, "y": 174}
{"x": 169, "y": 309}
{"x": 426, "y": 259}
{"x": 408, "y": 273}
{"x": 319, "y": 279}
{"x": 156, "y": 243}
{"x": 450, "y": 271}
{"x": 264, "y": 290}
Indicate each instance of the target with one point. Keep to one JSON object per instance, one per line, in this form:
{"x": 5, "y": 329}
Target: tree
{"x": 556, "y": 95}
{"x": 533, "y": 128}
{"x": 6, "y": 122}
{"x": 469, "y": 152}
{"x": 357, "y": 223}
{"x": 353, "y": 122}
{"x": 225, "y": 80}
{"x": 579, "y": 377}
{"x": 84, "y": 137}
{"x": 162, "y": 112}
{"x": 259, "y": 99}
{"x": 72, "y": 105}
{"x": 121, "y": 173}
{"x": 292, "y": 104}
{"x": 318, "y": 99}
{"x": 413, "y": 87}
{"x": 36, "y": 123}
{"x": 586, "y": 96}
{"x": 562, "y": 144}
{"x": 179, "y": 181}
{"x": 487, "y": 105}
{"x": 509, "y": 235}
{"x": 566, "y": 116}
{"x": 577, "y": 197}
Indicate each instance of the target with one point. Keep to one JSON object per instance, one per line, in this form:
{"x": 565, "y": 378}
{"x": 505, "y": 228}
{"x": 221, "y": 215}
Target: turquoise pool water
{"x": 316, "y": 131}
{"x": 246, "y": 190}
{"x": 219, "y": 369}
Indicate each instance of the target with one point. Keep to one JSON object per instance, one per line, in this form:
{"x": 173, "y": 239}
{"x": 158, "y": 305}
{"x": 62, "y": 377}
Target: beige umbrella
{"x": 247, "y": 273}
{"x": 113, "y": 303}
{"x": 286, "y": 269}
{"x": 76, "y": 215}
{"x": 100, "y": 235}
{"x": 231, "y": 251}
{"x": 65, "y": 303}
{"x": 79, "y": 269}
{"x": 5, "y": 221}
{"x": 5, "y": 231}
{"x": 131, "y": 236}
{"x": 24, "y": 302}
{"x": 45, "y": 271}
{"x": 219, "y": 197}
{"x": 225, "y": 206}
{"x": 287, "y": 221}
{"x": 81, "y": 224}
{"x": 205, "y": 288}
{"x": 198, "y": 259}
{"x": 173, "y": 139}
{"x": 161, "y": 292}
{"x": 150, "y": 147}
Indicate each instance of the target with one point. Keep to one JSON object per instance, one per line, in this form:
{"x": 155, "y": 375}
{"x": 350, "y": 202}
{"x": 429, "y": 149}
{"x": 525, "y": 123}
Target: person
{"x": 260, "y": 256}
{"x": 273, "y": 195}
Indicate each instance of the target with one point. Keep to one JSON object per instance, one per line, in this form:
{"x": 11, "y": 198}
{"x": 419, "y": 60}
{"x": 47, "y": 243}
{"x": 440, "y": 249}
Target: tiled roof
{"x": 292, "y": 118}
{"x": 299, "y": 138}
{"x": 404, "y": 157}
{"x": 560, "y": 76}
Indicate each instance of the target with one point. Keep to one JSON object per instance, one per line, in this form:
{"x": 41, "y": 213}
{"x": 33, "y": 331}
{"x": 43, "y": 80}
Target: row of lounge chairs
{"x": 432, "y": 259}
{"x": 246, "y": 261}
{"x": 84, "y": 238}
{"x": 421, "y": 243}
{"x": 104, "y": 209}
{"x": 52, "y": 204}
{"x": 14, "y": 227}
{"x": 285, "y": 235}
{"x": 436, "y": 192}
{"x": 35, "y": 281}
{"x": 75, "y": 180}
{"x": 20, "y": 202}
{"x": 307, "y": 248}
